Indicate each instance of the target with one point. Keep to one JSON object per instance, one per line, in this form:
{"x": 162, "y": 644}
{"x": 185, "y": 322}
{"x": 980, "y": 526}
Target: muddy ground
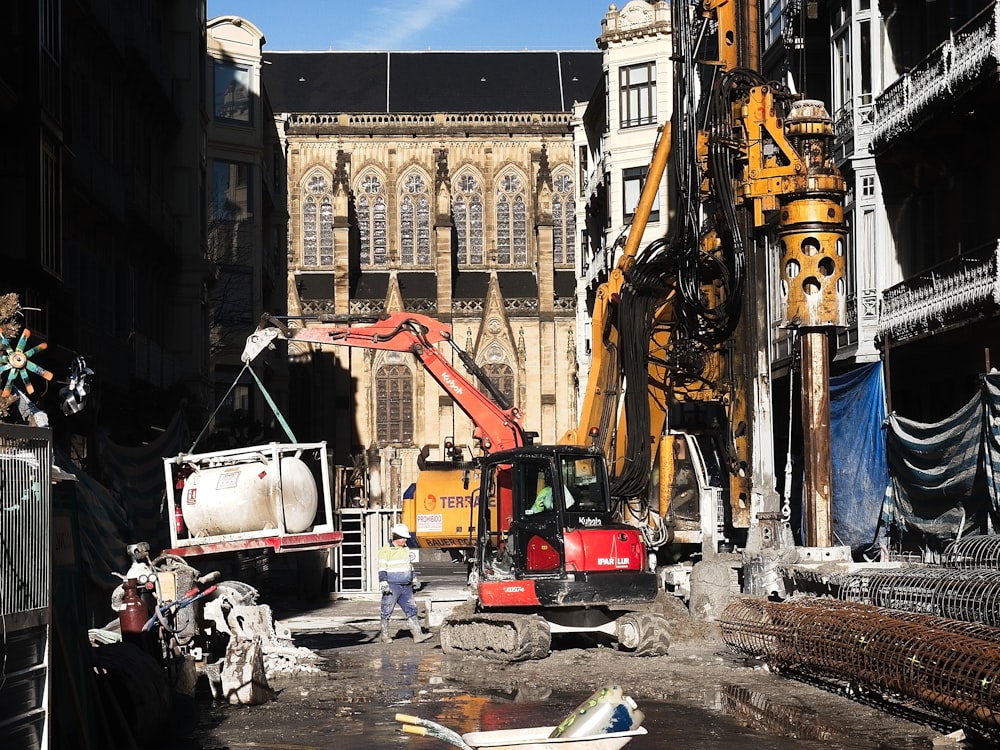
{"x": 702, "y": 695}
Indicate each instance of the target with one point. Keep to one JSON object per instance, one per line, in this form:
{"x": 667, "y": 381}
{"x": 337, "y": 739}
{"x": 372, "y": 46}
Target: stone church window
{"x": 371, "y": 213}
{"x": 468, "y": 215}
{"x": 503, "y": 378}
{"x": 317, "y": 223}
{"x": 414, "y": 223}
{"x": 563, "y": 221}
{"x": 394, "y": 404}
{"x": 512, "y": 225}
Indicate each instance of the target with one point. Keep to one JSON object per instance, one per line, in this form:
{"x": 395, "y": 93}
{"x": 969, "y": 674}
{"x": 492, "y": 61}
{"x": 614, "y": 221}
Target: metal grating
{"x": 25, "y": 590}
{"x": 973, "y": 552}
{"x": 25, "y": 508}
{"x": 365, "y": 531}
{"x": 960, "y": 594}
{"x": 948, "y": 667}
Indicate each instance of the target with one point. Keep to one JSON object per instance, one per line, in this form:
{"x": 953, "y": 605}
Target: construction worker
{"x": 397, "y": 581}
{"x": 543, "y": 501}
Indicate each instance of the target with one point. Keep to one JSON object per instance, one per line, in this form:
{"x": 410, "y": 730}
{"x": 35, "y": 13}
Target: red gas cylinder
{"x": 179, "y": 526}
{"x": 133, "y": 614}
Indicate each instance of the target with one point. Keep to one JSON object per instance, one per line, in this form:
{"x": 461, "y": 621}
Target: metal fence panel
{"x": 25, "y": 584}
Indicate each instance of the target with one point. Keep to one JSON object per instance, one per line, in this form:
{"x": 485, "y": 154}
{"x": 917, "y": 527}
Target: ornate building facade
{"x": 438, "y": 183}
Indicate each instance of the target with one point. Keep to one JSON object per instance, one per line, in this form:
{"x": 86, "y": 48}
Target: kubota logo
{"x": 452, "y": 383}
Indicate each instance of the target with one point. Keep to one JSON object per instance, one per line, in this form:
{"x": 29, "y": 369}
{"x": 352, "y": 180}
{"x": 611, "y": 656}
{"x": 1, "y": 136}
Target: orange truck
{"x": 442, "y": 511}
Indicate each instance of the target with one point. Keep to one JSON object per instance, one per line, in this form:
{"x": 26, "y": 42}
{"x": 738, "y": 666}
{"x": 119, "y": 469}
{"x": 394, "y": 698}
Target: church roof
{"x": 403, "y": 82}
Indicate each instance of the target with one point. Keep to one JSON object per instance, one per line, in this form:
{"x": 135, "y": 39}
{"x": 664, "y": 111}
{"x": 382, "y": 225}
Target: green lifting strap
{"x": 267, "y": 397}
{"x": 270, "y": 402}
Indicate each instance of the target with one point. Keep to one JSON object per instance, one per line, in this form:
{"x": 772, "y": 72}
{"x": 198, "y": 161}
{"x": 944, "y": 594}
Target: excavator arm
{"x": 496, "y": 428}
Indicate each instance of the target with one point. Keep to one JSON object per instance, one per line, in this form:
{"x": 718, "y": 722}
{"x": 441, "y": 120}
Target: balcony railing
{"x": 948, "y": 71}
{"x": 957, "y": 291}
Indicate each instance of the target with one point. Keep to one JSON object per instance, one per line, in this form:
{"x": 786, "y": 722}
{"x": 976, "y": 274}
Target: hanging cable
{"x": 786, "y": 495}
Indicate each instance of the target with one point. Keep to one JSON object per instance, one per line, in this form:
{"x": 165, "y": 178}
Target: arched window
{"x": 371, "y": 208}
{"x": 512, "y": 224}
{"x": 563, "y": 220}
{"x": 414, "y": 222}
{"x": 394, "y": 404}
{"x": 502, "y": 377}
{"x": 467, "y": 208}
{"x": 317, "y": 223}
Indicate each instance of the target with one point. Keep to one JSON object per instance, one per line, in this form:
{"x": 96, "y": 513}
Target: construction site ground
{"x": 702, "y": 695}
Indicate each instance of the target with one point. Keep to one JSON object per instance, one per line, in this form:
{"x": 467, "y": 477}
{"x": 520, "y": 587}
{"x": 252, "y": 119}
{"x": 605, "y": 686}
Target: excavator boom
{"x": 496, "y": 428}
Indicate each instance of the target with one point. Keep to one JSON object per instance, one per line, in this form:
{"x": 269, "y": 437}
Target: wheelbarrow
{"x": 607, "y": 720}
{"x": 526, "y": 738}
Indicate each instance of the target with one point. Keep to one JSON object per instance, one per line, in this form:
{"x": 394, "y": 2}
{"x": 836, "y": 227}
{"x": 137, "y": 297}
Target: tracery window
{"x": 563, "y": 220}
{"x": 512, "y": 224}
{"x": 371, "y": 213}
{"x": 317, "y": 223}
{"x": 467, "y": 208}
{"x": 394, "y": 404}
{"x": 502, "y": 377}
{"x": 414, "y": 222}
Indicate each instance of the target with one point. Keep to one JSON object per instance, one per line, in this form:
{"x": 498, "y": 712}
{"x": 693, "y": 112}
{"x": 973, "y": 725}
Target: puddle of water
{"x": 307, "y": 715}
{"x": 372, "y": 725}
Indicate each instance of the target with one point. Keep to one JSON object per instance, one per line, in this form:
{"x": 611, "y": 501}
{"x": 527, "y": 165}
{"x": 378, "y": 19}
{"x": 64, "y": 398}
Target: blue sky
{"x": 421, "y": 24}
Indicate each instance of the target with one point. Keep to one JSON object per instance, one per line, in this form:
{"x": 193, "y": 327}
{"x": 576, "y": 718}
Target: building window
{"x": 584, "y": 166}
{"x": 414, "y": 223}
{"x": 633, "y": 179}
{"x": 868, "y": 186}
{"x": 502, "y": 376}
{"x": 49, "y": 64}
{"x": 467, "y": 207}
{"x": 394, "y": 404}
{"x": 371, "y": 211}
{"x": 773, "y": 22}
{"x": 50, "y": 229}
{"x": 842, "y": 74}
{"x": 232, "y": 192}
{"x": 317, "y": 223}
{"x": 233, "y": 101}
{"x": 563, "y": 221}
{"x": 512, "y": 225}
{"x": 232, "y": 297}
{"x": 637, "y": 94}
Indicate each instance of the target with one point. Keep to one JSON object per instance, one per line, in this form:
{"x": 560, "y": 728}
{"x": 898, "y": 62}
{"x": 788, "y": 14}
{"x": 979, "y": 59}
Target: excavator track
{"x": 505, "y": 637}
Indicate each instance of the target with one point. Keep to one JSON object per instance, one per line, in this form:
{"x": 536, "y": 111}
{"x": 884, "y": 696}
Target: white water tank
{"x": 244, "y": 497}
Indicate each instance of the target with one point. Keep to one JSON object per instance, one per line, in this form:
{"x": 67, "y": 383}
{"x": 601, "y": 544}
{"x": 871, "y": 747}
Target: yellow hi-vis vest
{"x": 394, "y": 564}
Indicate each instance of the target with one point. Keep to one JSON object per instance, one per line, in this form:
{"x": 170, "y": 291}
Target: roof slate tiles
{"x": 424, "y": 82}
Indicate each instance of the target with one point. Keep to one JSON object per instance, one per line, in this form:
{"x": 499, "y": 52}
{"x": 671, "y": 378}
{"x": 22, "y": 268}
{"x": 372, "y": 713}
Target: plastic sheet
{"x": 944, "y": 474}
{"x": 860, "y": 475}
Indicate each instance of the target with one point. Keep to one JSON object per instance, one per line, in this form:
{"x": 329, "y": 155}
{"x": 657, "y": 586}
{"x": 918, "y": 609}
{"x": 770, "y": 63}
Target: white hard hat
{"x": 400, "y": 529}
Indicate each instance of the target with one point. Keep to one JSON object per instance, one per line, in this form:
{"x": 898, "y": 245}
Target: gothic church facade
{"x": 443, "y": 184}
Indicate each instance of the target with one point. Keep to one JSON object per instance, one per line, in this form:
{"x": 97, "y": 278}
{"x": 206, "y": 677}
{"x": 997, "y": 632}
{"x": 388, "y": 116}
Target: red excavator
{"x": 550, "y": 556}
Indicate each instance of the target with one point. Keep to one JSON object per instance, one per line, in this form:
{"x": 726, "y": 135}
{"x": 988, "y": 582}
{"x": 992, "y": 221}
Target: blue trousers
{"x": 401, "y": 593}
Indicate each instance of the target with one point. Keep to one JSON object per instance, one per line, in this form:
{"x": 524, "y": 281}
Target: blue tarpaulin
{"x": 857, "y": 447}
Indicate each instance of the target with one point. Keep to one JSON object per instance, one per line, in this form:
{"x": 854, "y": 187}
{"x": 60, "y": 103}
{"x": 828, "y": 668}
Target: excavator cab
{"x": 546, "y": 513}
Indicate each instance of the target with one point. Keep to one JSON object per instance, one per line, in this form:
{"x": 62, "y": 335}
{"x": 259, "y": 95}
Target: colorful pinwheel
{"x": 16, "y": 362}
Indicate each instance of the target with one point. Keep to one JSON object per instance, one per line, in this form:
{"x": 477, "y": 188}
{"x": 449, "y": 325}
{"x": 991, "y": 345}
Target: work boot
{"x": 384, "y": 636}
{"x": 419, "y": 635}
